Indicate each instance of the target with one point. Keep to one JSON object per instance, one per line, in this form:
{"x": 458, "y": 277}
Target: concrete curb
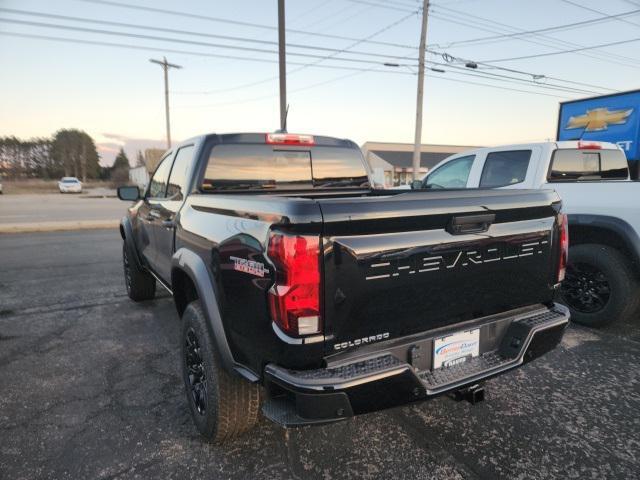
{"x": 57, "y": 226}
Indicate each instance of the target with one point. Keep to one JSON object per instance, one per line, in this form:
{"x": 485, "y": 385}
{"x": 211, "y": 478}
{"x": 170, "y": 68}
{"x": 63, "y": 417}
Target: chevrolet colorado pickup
{"x": 303, "y": 290}
{"x": 599, "y": 199}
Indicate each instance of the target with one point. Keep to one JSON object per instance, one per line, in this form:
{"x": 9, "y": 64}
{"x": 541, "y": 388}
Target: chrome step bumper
{"x": 383, "y": 380}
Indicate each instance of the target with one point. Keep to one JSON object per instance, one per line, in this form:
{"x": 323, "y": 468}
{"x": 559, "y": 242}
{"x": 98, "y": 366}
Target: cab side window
{"x": 158, "y": 184}
{"x": 453, "y": 174}
{"x": 176, "y": 189}
{"x": 505, "y": 168}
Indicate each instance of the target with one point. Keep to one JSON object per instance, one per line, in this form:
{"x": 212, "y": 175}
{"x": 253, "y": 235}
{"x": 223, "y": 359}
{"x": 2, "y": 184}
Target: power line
{"x": 336, "y": 51}
{"x": 263, "y": 97}
{"x": 323, "y": 19}
{"x": 436, "y": 77}
{"x": 301, "y": 66}
{"x": 498, "y": 77}
{"x": 389, "y": 5}
{"x": 240, "y": 23}
{"x": 535, "y": 77}
{"x": 189, "y": 32}
{"x": 144, "y": 48}
{"x": 262, "y": 60}
{"x": 544, "y": 39}
{"x": 334, "y": 24}
{"x": 548, "y": 54}
{"x": 600, "y": 12}
{"x": 188, "y": 42}
{"x": 555, "y": 28}
{"x": 184, "y": 52}
{"x": 365, "y": 39}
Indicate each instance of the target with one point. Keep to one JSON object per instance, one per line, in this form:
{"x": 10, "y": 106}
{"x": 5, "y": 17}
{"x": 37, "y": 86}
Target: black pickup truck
{"x": 307, "y": 294}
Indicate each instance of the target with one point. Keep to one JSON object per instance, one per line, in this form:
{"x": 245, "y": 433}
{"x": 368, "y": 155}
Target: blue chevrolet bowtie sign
{"x": 609, "y": 118}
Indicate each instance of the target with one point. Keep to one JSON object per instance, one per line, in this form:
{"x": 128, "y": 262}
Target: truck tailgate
{"x": 403, "y": 264}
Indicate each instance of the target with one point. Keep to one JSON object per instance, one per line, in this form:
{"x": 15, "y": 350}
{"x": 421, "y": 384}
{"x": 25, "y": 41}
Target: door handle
{"x": 470, "y": 224}
{"x": 168, "y": 223}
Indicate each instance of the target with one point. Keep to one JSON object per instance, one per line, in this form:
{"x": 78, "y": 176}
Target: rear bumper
{"x": 394, "y": 375}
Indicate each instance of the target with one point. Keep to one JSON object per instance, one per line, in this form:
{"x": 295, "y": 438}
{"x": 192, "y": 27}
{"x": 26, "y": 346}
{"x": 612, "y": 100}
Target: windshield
{"x": 70, "y": 180}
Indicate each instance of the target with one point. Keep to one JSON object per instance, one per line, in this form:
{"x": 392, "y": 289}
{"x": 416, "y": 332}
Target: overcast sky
{"x": 116, "y": 94}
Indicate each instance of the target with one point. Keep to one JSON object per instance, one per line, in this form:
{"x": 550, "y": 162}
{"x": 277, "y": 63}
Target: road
{"x": 90, "y": 388}
{"x": 51, "y": 211}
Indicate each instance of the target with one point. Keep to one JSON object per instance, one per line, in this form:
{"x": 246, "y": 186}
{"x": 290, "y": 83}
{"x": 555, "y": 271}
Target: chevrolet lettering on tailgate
{"x": 452, "y": 260}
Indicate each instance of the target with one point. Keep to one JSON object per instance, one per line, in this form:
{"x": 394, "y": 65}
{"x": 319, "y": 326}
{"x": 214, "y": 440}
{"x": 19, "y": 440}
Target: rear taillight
{"x": 294, "y": 299}
{"x": 563, "y": 227}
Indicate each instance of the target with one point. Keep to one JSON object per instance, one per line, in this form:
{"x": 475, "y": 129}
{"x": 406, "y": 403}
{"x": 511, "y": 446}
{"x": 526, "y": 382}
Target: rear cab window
{"x": 586, "y": 164}
{"x": 505, "y": 168}
{"x": 242, "y": 167}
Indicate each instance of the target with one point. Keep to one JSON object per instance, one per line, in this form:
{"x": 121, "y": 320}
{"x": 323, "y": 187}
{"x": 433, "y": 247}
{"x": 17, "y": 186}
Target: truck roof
{"x": 561, "y": 145}
{"x": 261, "y": 138}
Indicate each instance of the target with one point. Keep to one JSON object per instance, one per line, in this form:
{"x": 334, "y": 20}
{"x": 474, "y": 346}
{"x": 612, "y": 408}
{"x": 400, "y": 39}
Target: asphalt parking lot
{"x": 90, "y": 388}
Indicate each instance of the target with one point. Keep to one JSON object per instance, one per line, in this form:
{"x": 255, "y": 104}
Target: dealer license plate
{"x": 456, "y": 348}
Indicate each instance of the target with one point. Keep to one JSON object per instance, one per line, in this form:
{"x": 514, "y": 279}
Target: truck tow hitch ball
{"x": 473, "y": 394}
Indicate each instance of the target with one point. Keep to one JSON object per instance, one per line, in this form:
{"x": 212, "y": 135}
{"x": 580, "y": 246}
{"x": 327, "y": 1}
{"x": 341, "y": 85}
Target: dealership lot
{"x": 91, "y": 389}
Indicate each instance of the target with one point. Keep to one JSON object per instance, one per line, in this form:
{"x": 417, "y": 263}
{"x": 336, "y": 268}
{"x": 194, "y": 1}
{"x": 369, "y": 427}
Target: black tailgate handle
{"x": 470, "y": 224}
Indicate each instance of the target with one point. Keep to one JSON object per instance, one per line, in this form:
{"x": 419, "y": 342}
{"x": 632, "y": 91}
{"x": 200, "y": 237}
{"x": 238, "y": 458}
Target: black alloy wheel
{"x": 586, "y": 288}
{"x": 196, "y": 374}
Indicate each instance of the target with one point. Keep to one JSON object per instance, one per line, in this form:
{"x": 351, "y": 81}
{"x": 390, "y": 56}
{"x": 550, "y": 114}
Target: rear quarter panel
{"x": 223, "y": 228}
{"x": 616, "y": 198}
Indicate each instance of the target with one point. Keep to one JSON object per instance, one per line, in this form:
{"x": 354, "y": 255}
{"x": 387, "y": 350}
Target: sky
{"x": 337, "y": 86}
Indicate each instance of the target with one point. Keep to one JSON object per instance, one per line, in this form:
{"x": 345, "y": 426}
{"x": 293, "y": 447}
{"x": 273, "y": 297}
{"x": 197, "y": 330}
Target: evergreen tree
{"x": 121, "y": 161}
{"x": 120, "y": 168}
{"x": 140, "y": 159}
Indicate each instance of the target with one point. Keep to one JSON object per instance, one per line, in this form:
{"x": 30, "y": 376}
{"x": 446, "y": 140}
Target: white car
{"x": 592, "y": 178}
{"x": 70, "y": 185}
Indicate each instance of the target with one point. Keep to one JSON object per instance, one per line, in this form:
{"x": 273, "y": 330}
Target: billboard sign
{"x": 609, "y": 118}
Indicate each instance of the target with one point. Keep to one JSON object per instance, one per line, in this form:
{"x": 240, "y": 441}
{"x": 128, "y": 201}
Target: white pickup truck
{"x": 603, "y": 276}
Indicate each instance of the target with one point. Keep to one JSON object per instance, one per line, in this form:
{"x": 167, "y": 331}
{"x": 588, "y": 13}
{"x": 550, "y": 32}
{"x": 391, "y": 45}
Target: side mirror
{"x": 416, "y": 185}
{"x": 130, "y": 194}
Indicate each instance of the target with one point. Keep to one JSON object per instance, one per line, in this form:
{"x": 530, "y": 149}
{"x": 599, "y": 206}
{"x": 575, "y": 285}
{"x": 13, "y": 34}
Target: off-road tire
{"x": 232, "y": 404}
{"x": 140, "y": 284}
{"x": 623, "y": 297}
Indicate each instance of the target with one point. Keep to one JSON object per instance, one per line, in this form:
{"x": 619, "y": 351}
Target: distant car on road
{"x": 1, "y": 188}
{"x": 70, "y": 185}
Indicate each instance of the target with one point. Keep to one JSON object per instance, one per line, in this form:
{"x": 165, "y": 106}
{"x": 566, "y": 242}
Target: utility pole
{"x": 166, "y": 66}
{"x": 417, "y": 144}
{"x": 282, "y": 60}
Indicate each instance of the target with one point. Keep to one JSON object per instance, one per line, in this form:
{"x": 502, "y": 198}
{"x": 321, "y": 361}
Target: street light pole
{"x": 282, "y": 60}
{"x": 417, "y": 144}
{"x": 166, "y": 66}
